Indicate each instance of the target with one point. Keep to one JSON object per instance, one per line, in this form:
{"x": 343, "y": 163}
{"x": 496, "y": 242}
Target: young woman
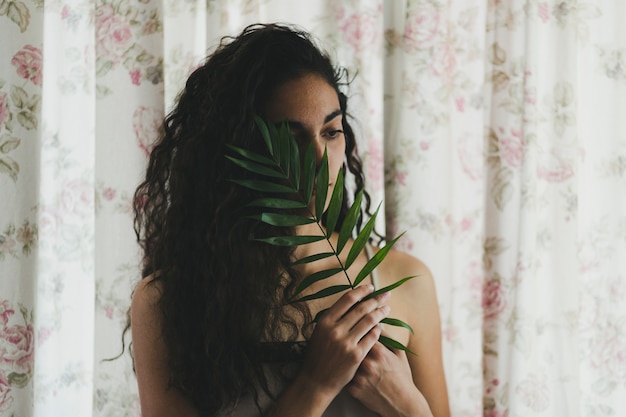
{"x": 212, "y": 331}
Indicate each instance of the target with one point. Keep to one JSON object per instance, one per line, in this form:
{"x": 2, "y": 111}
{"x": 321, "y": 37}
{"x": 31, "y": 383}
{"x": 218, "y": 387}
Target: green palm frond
{"x": 289, "y": 179}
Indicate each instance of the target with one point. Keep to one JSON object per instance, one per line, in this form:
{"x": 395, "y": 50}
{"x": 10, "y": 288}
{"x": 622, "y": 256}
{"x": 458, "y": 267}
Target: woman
{"x": 212, "y": 331}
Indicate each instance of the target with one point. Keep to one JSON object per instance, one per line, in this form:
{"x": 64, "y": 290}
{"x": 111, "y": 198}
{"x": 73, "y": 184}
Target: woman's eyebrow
{"x": 299, "y": 126}
{"x": 332, "y": 115}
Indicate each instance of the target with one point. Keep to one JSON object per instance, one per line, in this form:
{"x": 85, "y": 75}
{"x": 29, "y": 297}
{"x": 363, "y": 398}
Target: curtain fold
{"x": 492, "y": 131}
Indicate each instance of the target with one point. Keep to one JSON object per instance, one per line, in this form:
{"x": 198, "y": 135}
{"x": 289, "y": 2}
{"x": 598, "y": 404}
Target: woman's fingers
{"x": 342, "y": 338}
{"x": 369, "y": 322}
{"x": 357, "y": 317}
{"x": 347, "y": 301}
{"x": 356, "y": 322}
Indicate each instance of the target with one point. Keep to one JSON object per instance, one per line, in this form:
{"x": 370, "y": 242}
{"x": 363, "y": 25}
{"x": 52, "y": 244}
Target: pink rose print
{"x": 108, "y": 194}
{"x": 375, "y": 164}
{"x": 135, "y": 77}
{"x": 146, "y": 124}
{"x": 29, "y": 62}
{"x": 470, "y": 156}
{"x": 588, "y": 312}
{"x": 6, "y": 399}
{"x": 77, "y": 198}
{"x": 405, "y": 244}
{"x": 493, "y": 299}
{"x": 609, "y": 352}
{"x": 43, "y": 334}
{"x": 543, "y": 12}
{"x": 476, "y": 278}
{"x": 466, "y": 224}
{"x": 557, "y": 169}
{"x": 443, "y": 62}
{"x": 5, "y": 312}
{"x": 360, "y": 31}
{"x": 113, "y": 35}
{"x": 401, "y": 177}
{"x": 4, "y": 109}
{"x": 48, "y": 221}
{"x": 460, "y": 104}
{"x": 422, "y": 26}
{"x": 534, "y": 393}
{"x": 512, "y": 149}
{"x": 17, "y": 348}
{"x": 495, "y": 413}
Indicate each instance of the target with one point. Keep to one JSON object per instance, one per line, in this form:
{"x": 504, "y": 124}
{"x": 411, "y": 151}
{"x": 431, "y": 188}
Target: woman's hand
{"x": 384, "y": 384}
{"x": 342, "y": 338}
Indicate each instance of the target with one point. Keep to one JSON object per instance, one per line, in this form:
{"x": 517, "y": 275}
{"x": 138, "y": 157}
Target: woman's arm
{"x": 427, "y": 363}
{"x": 393, "y": 383}
{"x": 157, "y": 399}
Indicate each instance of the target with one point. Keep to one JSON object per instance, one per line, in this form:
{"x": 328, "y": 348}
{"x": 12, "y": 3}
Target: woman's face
{"x": 311, "y": 107}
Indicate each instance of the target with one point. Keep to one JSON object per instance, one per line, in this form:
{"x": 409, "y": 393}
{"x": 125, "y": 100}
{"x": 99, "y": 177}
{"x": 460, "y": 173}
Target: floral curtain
{"x": 492, "y": 130}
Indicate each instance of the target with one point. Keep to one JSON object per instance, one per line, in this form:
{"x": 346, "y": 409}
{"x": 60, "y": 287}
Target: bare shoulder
{"x": 146, "y": 295}
{"x": 398, "y": 265}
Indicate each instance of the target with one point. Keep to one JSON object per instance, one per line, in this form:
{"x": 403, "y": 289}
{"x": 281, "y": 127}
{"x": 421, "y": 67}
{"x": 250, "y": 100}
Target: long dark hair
{"x": 222, "y": 293}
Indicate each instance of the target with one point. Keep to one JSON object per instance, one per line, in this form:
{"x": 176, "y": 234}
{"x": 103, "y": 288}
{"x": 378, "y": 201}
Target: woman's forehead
{"x": 309, "y": 99}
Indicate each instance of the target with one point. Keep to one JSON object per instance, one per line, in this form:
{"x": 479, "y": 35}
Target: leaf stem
{"x": 345, "y": 271}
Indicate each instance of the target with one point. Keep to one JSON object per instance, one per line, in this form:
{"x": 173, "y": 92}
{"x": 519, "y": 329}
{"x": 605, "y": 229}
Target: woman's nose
{"x": 319, "y": 147}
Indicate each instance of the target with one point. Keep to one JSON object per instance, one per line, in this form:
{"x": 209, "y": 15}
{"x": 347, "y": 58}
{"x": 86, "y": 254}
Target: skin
{"x": 343, "y": 350}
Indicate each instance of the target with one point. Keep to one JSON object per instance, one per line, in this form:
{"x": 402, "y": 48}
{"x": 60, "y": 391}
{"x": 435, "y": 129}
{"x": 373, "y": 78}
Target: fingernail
{"x": 384, "y": 296}
{"x": 386, "y": 309}
{"x": 370, "y": 287}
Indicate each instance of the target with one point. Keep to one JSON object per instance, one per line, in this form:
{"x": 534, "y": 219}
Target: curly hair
{"x": 223, "y": 293}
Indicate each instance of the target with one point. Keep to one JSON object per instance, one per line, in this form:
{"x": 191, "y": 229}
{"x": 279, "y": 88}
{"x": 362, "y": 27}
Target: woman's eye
{"x": 333, "y": 134}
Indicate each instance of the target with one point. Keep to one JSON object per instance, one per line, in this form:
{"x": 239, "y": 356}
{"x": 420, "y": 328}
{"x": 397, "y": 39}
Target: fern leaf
{"x": 308, "y": 173}
{"x": 334, "y": 206}
{"x": 393, "y": 344}
{"x": 285, "y": 147}
{"x": 265, "y": 133}
{"x": 319, "y": 315}
{"x": 388, "y": 287}
{"x": 288, "y": 220}
{"x": 290, "y": 240}
{"x": 361, "y": 240}
{"x": 374, "y": 261}
{"x": 257, "y": 168}
{"x": 313, "y": 258}
{"x": 277, "y": 203}
{"x": 321, "y": 189}
{"x": 274, "y": 138}
{"x": 349, "y": 222}
{"x": 253, "y": 156}
{"x": 264, "y": 186}
{"x": 295, "y": 161}
{"x": 334, "y": 289}
{"x": 317, "y": 276}
{"x": 397, "y": 322}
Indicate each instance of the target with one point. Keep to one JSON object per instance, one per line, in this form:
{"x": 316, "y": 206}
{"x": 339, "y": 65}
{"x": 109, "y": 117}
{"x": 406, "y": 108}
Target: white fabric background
{"x": 492, "y": 130}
